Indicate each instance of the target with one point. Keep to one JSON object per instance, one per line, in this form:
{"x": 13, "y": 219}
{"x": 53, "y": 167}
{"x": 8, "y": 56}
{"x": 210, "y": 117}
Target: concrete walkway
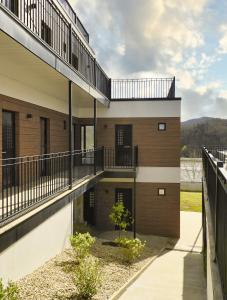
{"x": 178, "y": 272}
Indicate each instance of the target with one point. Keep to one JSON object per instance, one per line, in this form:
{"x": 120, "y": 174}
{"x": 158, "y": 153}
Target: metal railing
{"x": 149, "y": 88}
{"x": 46, "y": 21}
{"x": 27, "y": 181}
{"x": 216, "y": 189}
{"x": 121, "y": 159}
{"x": 219, "y": 152}
{"x": 68, "y": 8}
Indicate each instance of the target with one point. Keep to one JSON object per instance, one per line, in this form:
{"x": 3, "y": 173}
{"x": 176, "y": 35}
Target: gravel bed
{"x": 54, "y": 279}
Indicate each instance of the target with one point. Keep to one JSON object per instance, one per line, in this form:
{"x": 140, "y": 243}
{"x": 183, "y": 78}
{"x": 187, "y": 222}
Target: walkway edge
{"x": 118, "y": 293}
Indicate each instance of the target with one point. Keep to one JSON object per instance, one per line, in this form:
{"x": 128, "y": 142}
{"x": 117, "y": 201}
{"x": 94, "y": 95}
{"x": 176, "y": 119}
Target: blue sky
{"x": 158, "y": 38}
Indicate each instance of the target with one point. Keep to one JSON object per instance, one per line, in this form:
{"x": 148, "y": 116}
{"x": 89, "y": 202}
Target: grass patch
{"x": 191, "y": 201}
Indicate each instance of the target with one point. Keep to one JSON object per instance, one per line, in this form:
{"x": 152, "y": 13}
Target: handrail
{"x": 30, "y": 180}
{"x": 143, "y": 88}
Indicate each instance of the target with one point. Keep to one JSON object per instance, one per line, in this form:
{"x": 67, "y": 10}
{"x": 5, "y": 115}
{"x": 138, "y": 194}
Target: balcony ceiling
{"x": 23, "y": 66}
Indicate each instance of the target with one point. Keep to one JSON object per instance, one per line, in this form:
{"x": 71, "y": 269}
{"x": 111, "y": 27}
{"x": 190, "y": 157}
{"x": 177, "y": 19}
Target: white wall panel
{"x": 158, "y": 174}
{"x": 38, "y": 246}
{"x": 140, "y": 109}
{"x": 15, "y": 89}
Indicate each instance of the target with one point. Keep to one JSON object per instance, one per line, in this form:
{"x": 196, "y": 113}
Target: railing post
{"x": 70, "y": 167}
{"x": 95, "y": 139}
{"x": 70, "y": 44}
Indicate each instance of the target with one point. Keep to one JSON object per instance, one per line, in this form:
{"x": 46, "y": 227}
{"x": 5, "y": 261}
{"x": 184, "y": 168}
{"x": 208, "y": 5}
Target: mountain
{"x": 197, "y": 121}
{"x": 196, "y": 133}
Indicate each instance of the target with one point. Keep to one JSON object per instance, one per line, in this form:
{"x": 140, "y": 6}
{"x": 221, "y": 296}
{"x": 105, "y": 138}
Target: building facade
{"x": 74, "y": 141}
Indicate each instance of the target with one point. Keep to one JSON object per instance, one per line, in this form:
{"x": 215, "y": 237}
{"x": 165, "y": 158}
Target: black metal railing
{"x": 219, "y": 152}
{"x": 47, "y": 22}
{"x": 215, "y": 179}
{"x": 68, "y": 8}
{"x": 149, "y": 88}
{"x": 27, "y": 181}
{"x": 121, "y": 159}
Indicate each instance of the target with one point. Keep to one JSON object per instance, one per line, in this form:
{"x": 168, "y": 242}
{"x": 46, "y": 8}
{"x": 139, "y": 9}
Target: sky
{"x": 164, "y": 38}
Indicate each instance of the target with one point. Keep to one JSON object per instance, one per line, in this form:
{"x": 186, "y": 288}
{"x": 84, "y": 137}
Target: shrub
{"x": 87, "y": 277}
{"x": 10, "y": 292}
{"x": 120, "y": 216}
{"x": 131, "y": 249}
{"x": 82, "y": 243}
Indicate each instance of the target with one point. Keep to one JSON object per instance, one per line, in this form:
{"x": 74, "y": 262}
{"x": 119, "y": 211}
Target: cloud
{"x": 132, "y": 36}
{"x": 223, "y": 40}
{"x": 160, "y": 38}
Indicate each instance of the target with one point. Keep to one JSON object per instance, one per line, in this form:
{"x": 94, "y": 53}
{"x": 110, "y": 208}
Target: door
{"x": 123, "y": 145}
{"x": 8, "y": 147}
{"x": 87, "y": 143}
{"x": 89, "y": 207}
{"x": 43, "y": 144}
{"x": 125, "y": 195}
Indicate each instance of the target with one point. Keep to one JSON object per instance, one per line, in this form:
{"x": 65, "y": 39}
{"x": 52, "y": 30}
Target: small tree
{"x": 120, "y": 216}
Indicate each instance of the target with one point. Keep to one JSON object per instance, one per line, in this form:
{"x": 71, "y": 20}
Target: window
{"x": 161, "y": 192}
{"x": 87, "y": 137}
{"x": 46, "y": 33}
{"x": 162, "y": 126}
{"x": 12, "y": 5}
{"x": 75, "y": 61}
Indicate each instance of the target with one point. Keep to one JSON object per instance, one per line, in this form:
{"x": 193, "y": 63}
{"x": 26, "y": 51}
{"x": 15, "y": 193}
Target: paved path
{"x": 178, "y": 273}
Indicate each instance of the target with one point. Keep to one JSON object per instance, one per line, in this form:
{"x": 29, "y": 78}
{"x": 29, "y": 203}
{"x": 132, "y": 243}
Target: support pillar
{"x": 95, "y": 135}
{"x": 70, "y": 168}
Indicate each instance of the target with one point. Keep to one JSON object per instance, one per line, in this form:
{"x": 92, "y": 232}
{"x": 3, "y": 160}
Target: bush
{"x": 11, "y": 292}
{"x": 131, "y": 249}
{"x": 120, "y": 216}
{"x": 87, "y": 277}
{"x": 82, "y": 243}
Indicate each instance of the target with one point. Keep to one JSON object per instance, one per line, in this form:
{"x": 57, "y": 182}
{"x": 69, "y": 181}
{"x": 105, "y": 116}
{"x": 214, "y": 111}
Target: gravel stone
{"x": 54, "y": 280}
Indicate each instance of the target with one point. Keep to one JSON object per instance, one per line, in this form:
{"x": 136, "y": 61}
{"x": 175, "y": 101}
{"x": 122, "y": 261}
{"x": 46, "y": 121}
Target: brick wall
{"x": 158, "y": 215}
{"x": 156, "y": 148}
{"x": 28, "y": 129}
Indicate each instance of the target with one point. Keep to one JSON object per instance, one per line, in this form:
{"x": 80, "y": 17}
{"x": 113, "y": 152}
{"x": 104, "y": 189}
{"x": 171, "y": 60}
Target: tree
{"x": 120, "y": 216}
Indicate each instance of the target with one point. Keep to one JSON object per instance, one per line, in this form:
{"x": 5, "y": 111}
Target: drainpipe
{"x": 70, "y": 168}
{"x": 95, "y": 135}
{"x": 135, "y": 154}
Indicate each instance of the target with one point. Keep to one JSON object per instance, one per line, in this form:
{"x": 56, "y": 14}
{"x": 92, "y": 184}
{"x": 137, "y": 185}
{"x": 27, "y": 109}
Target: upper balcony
{"x": 47, "y": 22}
{"x": 143, "y": 89}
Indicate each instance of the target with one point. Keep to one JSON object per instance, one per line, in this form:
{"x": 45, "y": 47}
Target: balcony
{"x": 45, "y": 21}
{"x": 28, "y": 182}
{"x": 143, "y": 89}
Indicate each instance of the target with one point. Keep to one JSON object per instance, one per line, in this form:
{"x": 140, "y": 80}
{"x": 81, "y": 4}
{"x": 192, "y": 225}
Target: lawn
{"x": 191, "y": 201}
